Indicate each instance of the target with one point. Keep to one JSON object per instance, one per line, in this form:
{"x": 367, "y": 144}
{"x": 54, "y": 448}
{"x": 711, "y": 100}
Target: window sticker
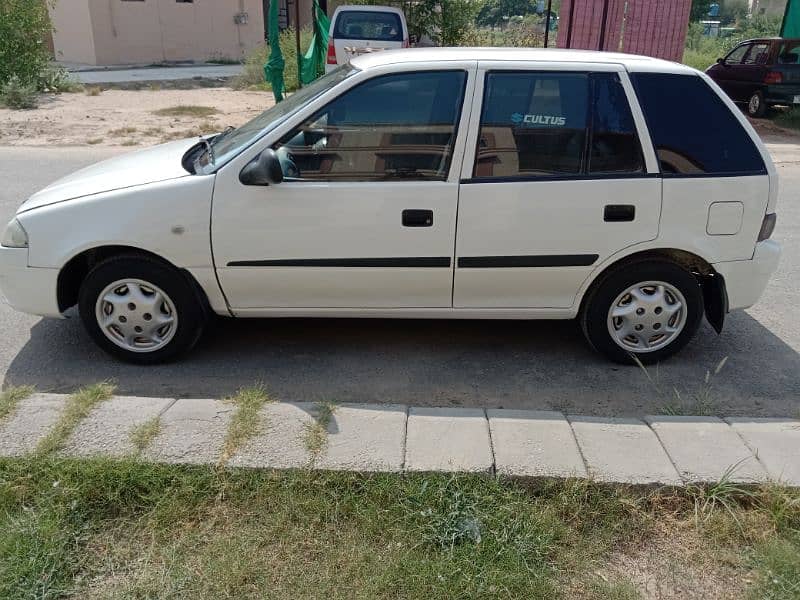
{"x": 528, "y": 120}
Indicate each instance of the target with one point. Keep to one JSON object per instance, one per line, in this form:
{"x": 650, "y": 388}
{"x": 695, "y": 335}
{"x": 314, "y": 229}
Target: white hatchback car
{"x": 363, "y": 29}
{"x": 435, "y": 183}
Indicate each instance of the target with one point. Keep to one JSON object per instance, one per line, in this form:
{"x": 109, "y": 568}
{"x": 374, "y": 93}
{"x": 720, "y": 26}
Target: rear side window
{"x": 545, "y": 124}
{"x": 693, "y": 130}
{"x": 368, "y": 25}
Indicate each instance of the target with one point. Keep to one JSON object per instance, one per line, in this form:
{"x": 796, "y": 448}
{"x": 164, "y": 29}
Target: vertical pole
{"x": 297, "y": 40}
{"x": 569, "y": 27}
{"x": 602, "y": 41}
{"x": 547, "y": 23}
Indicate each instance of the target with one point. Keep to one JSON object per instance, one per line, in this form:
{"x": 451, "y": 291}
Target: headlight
{"x": 14, "y": 236}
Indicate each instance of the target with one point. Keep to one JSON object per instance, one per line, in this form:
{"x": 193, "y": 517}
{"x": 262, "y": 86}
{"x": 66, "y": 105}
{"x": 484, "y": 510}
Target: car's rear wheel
{"x": 756, "y": 106}
{"x": 140, "y": 309}
{"x": 647, "y": 310}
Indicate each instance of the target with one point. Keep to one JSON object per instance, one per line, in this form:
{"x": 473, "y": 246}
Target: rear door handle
{"x": 414, "y": 217}
{"x": 615, "y": 213}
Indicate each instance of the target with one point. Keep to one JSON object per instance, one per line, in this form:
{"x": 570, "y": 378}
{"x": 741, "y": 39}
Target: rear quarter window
{"x": 368, "y": 25}
{"x": 693, "y": 130}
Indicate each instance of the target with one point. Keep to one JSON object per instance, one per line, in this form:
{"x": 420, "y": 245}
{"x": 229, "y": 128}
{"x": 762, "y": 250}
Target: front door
{"x": 365, "y": 217}
{"x": 554, "y": 181}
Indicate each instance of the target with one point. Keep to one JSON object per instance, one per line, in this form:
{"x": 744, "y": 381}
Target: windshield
{"x": 229, "y": 144}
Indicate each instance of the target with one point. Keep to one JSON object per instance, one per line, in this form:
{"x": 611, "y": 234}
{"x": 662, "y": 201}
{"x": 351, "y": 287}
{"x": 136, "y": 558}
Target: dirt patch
{"x": 772, "y": 133}
{"x": 678, "y": 566}
{"x": 126, "y": 118}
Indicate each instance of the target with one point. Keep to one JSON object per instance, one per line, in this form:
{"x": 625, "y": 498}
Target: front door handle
{"x": 615, "y": 213}
{"x": 414, "y": 217}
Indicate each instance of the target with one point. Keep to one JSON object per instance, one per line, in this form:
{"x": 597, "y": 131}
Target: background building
{"x": 107, "y": 32}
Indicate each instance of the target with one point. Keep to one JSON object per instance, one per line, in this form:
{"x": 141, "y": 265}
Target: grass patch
{"x": 127, "y": 529}
{"x": 11, "y": 397}
{"x": 94, "y": 141}
{"x": 123, "y": 131}
{"x": 252, "y": 76}
{"x": 316, "y": 436}
{"x": 788, "y": 118}
{"x": 93, "y": 90}
{"x": 143, "y": 435}
{"x": 244, "y": 424}
{"x": 186, "y": 110}
{"x": 79, "y": 405}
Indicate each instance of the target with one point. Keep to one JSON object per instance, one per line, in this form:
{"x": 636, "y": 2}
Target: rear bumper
{"x": 781, "y": 94}
{"x": 27, "y": 289}
{"x": 745, "y": 280}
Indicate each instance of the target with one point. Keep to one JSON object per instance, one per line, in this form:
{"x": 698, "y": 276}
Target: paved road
{"x": 469, "y": 363}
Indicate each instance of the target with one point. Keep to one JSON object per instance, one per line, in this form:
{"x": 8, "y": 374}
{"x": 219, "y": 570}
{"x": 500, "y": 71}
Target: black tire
{"x": 595, "y": 312}
{"x": 756, "y": 105}
{"x": 191, "y": 314}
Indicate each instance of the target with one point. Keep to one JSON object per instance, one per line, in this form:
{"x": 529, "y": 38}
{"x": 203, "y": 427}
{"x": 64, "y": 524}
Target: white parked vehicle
{"x": 362, "y": 29}
{"x": 431, "y": 183}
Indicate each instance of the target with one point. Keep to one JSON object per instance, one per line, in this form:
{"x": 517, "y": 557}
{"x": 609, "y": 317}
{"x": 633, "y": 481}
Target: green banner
{"x": 791, "y": 20}
{"x": 313, "y": 63}
{"x": 273, "y": 70}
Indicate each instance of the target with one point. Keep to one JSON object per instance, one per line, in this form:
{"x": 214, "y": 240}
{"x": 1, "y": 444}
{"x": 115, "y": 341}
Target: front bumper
{"x": 745, "y": 280}
{"x": 27, "y": 289}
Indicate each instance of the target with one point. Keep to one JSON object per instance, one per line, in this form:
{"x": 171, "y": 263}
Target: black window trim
{"x": 465, "y": 70}
{"x": 754, "y": 173}
{"x": 583, "y": 175}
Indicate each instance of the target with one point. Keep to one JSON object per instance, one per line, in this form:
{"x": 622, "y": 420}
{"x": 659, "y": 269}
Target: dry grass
{"x": 186, "y": 110}
{"x": 93, "y": 90}
{"x": 316, "y": 436}
{"x": 123, "y": 131}
{"x": 78, "y": 407}
{"x": 143, "y": 435}
{"x": 94, "y": 141}
{"x": 11, "y": 397}
{"x": 245, "y": 423}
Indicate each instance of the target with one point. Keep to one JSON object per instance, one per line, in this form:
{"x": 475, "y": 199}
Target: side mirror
{"x": 264, "y": 169}
{"x": 720, "y": 61}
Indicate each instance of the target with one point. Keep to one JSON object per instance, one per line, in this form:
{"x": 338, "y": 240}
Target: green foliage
{"x": 495, "y": 12}
{"x": 56, "y": 79}
{"x": 16, "y": 94}
{"x": 253, "y": 74}
{"x": 24, "y": 25}
{"x": 700, "y": 10}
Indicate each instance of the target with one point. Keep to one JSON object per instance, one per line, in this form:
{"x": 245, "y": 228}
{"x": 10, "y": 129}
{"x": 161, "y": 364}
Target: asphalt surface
{"x": 532, "y": 365}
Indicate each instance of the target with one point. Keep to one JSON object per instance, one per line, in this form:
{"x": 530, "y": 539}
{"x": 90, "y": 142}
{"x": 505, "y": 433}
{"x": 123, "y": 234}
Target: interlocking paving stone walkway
{"x": 372, "y": 438}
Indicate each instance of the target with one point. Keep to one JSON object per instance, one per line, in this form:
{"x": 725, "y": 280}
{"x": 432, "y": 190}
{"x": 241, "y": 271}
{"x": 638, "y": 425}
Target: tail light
{"x": 767, "y": 227}
{"x": 331, "y": 58}
{"x": 405, "y": 43}
{"x": 773, "y": 77}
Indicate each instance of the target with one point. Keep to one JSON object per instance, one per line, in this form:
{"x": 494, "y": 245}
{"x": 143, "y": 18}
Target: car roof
{"x": 367, "y": 8}
{"x": 631, "y": 62}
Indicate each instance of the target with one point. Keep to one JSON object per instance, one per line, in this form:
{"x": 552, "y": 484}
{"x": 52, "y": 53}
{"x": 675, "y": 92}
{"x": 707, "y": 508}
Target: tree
{"x": 24, "y": 26}
{"x": 491, "y": 13}
{"x": 700, "y": 10}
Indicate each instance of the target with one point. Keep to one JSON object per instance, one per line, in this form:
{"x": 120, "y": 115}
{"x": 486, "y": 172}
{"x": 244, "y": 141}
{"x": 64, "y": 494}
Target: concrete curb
{"x": 396, "y": 438}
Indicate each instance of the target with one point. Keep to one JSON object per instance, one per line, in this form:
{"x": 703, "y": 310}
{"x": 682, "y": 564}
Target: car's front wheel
{"x": 648, "y": 310}
{"x": 756, "y": 106}
{"x": 140, "y": 309}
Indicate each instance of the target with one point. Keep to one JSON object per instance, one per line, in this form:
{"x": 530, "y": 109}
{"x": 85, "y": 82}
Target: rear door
{"x": 753, "y": 69}
{"x": 361, "y": 31}
{"x": 554, "y": 181}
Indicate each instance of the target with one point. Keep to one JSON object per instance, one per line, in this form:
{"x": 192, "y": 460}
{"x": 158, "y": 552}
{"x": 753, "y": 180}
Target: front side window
{"x": 708, "y": 139}
{"x": 545, "y": 124}
{"x": 368, "y": 25}
{"x": 392, "y": 127}
{"x": 737, "y": 54}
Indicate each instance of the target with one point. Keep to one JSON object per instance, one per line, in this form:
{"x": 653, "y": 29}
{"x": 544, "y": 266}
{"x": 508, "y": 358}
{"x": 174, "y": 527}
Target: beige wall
{"x": 73, "y": 39}
{"x": 125, "y": 31}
